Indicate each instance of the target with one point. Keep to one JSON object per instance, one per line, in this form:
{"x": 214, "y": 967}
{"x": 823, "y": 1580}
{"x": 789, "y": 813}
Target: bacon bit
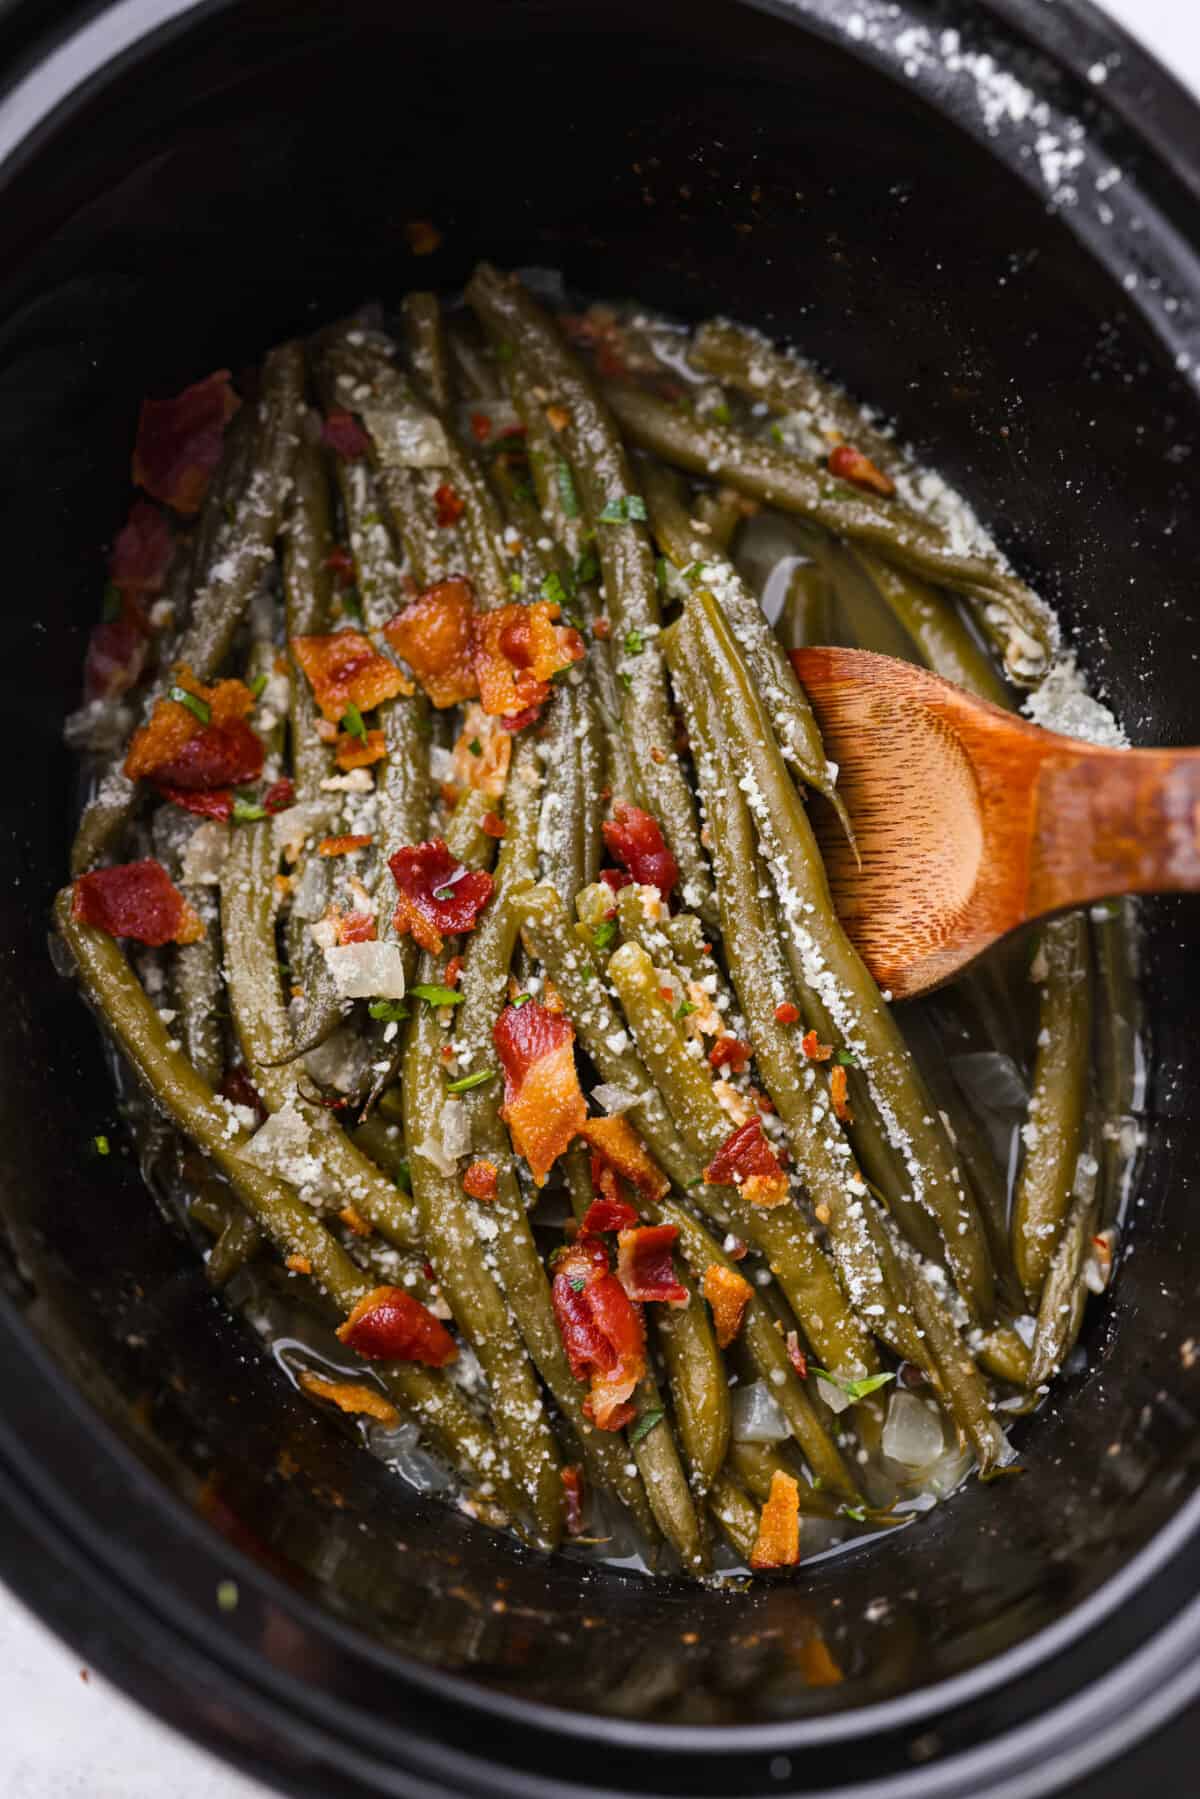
{"x": 279, "y": 796}
{"x": 345, "y": 845}
{"x": 645, "y": 1267}
{"x": 601, "y": 1329}
{"x": 493, "y": 825}
{"x": 602, "y": 629}
{"x": 179, "y": 441}
{"x": 389, "y": 1325}
{"x": 796, "y": 1355}
{"x": 142, "y": 551}
{"x": 667, "y": 993}
{"x": 746, "y": 1160}
{"x": 433, "y": 634}
{"x": 519, "y": 720}
{"x": 543, "y": 1106}
{"x": 353, "y": 1219}
{"x": 735, "y": 1249}
{"x": 730, "y": 1051}
{"x": 352, "y": 752}
{"x": 177, "y": 749}
{"x": 616, "y": 878}
{"x": 558, "y": 417}
{"x": 816, "y": 1663}
{"x": 763, "y": 1101}
{"x": 138, "y": 900}
{"x": 116, "y": 655}
{"x": 787, "y": 1013}
{"x": 342, "y": 433}
{"x": 355, "y": 927}
{"x": 340, "y": 562}
{"x": 237, "y": 1087}
{"x": 517, "y": 650}
{"x": 849, "y": 464}
{"x": 422, "y": 872}
{"x": 450, "y": 507}
{"x": 480, "y": 1181}
{"x": 572, "y": 1480}
{"x": 814, "y": 1049}
{"x": 218, "y": 805}
{"x": 838, "y": 1093}
{"x": 325, "y": 731}
{"x": 657, "y": 755}
{"x": 452, "y": 970}
{"x": 619, "y": 1146}
{"x": 346, "y": 669}
{"x": 484, "y": 767}
{"x": 635, "y": 839}
{"x": 423, "y": 236}
{"x": 607, "y": 1215}
{"x": 481, "y": 427}
{"x": 298, "y": 1265}
{"x": 728, "y": 1295}
{"x": 350, "y": 1396}
{"x": 449, "y": 794}
{"x": 778, "y": 1543}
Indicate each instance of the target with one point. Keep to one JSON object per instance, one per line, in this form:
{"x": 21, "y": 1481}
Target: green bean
{"x": 602, "y": 469}
{"x": 1065, "y": 1291}
{"x": 756, "y": 1465}
{"x": 295, "y": 1228}
{"x": 1003, "y": 1354}
{"x": 841, "y": 998}
{"x": 237, "y": 1237}
{"x": 941, "y": 636}
{"x": 767, "y": 472}
{"x": 384, "y": 1143}
{"x": 722, "y": 511}
{"x": 427, "y": 348}
{"x": 471, "y": 364}
{"x": 699, "y": 1394}
{"x": 1057, "y": 1101}
{"x": 1118, "y": 1008}
{"x": 657, "y": 1458}
{"x": 736, "y": 1514}
{"x": 964, "y": 1391}
{"x": 807, "y": 616}
{"x": 194, "y": 969}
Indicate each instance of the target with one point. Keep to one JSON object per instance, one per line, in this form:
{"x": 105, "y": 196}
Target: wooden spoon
{"x": 970, "y": 821}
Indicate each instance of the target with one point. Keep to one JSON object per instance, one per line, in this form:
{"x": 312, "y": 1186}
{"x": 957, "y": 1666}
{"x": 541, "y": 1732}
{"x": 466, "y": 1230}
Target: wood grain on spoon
{"x": 971, "y": 821}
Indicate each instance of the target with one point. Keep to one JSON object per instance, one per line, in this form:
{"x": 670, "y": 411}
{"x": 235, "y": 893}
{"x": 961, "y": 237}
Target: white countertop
{"x": 68, "y": 1734}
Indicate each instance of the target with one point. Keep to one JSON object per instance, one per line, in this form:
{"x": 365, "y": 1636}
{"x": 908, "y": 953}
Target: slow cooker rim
{"x": 1028, "y": 17}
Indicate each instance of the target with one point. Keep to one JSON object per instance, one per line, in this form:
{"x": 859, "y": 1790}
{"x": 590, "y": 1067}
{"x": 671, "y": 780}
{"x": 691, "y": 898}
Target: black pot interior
{"x": 254, "y": 175}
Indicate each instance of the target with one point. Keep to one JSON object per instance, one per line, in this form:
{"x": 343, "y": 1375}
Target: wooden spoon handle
{"x": 1113, "y": 821}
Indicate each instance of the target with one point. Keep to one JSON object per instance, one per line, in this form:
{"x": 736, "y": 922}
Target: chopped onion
{"x": 456, "y": 1129}
{"x": 614, "y": 1100}
{"x": 912, "y": 1431}
{"x": 757, "y": 1417}
{"x": 407, "y": 436}
{"x": 834, "y": 1398}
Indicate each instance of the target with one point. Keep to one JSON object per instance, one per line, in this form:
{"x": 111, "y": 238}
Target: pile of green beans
{"x": 901, "y": 1256}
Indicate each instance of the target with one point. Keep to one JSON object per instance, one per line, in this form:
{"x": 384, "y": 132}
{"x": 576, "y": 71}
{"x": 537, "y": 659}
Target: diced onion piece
{"x": 366, "y": 970}
{"x": 407, "y": 436}
{"x": 834, "y": 1398}
{"x": 456, "y": 1129}
{"x": 912, "y": 1431}
{"x": 757, "y": 1417}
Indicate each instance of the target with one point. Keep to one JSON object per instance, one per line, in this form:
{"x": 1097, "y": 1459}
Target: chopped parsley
{"x": 578, "y": 1283}
{"x": 436, "y": 996}
{"x": 777, "y": 434}
{"x": 352, "y": 722}
{"x": 471, "y": 1080}
{"x": 567, "y": 497}
{"x": 721, "y": 415}
{"x": 624, "y": 677}
{"x": 247, "y": 810}
{"x": 625, "y": 509}
{"x": 846, "y": 1058}
{"x": 521, "y": 999}
{"x": 604, "y": 933}
{"x": 553, "y": 589}
{"x": 853, "y": 1389}
{"x": 684, "y": 1009}
{"x": 113, "y": 604}
{"x": 101, "y": 1145}
{"x": 387, "y": 1011}
{"x": 516, "y": 582}
{"x": 197, "y": 707}
{"x": 475, "y": 747}
{"x": 443, "y": 893}
{"x": 635, "y": 643}
{"x": 258, "y": 686}
{"x": 646, "y": 1423}
{"x": 587, "y": 568}
{"x": 857, "y": 1512}
{"x": 404, "y": 1175}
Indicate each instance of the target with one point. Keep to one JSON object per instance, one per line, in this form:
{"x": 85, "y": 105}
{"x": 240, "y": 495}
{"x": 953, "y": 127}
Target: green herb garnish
{"x": 475, "y": 747}
{"x": 522, "y": 999}
{"x": 258, "y": 686}
{"x": 645, "y": 1424}
{"x": 387, "y": 1011}
{"x": 553, "y": 589}
{"x": 845, "y": 1058}
{"x": 623, "y": 510}
{"x": 436, "y": 996}
{"x": 776, "y": 434}
{"x": 604, "y": 933}
{"x": 578, "y": 1283}
{"x": 721, "y": 415}
{"x": 197, "y": 707}
{"x": 856, "y": 1512}
{"x": 352, "y": 722}
{"x": 247, "y": 811}
{"x": 684, "y": 1009}
{"x": 853, "y": 1389}
{"x": 662, "y": 574}
{"x": 625, "y": 678}
{"x": 635, "y": 643}
{"x": 587, "y": 568}
{"x": 568, "y": 499}
{"x": 404, "y": 1175}
{"x": 471, "y": 1080}
{"x": 516, "y": 583}
{"x": 101, "y": 1145}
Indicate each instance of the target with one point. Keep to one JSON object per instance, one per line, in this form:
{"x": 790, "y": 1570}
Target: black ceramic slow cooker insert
{"x": 986, "y": 220}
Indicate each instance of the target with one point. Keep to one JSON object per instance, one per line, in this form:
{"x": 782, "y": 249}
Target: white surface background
{"x": 69, "y": 1738}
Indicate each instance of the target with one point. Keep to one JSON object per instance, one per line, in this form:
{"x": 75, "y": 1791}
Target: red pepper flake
{"x": 601, "y": 1329}
{"x": 344, "y": 845}
{"x": 138, "y": 900}
{"x": 849, "y": 464}
{"x": 519, "y": 720}
{"x": 453, "y": 969}
{"x": 543, "y": 1106}
{"x": 778, "y": 1542}
{"x": 354, "y": 752}
{"x": 355, "y": 927}
{"x": 218, "y": 805}
{"x": 572, "y": 1480}
{"x": 481, "y": 427}
{"x": 298, "y": 1265}
{"x": 493, "y": 825}
{"x": 607, "y": 1215}
{"x": 645, "y": 1267}
{"x": 342, "y": 433}
{"x": 436, "y": 894}
{"x": 179, "y": 441}
{"x": 796, "y": 1355}
{"x": 180, "y": 748}
{"x": 746, "y": 1160}
{"x": 353, "y": 1219}
{"x": 343, "y": 669}
{"x": 480, "y": 1181}
{"x": 433, "y": 634}
{"x": 341, "y": 563}
{"x": 636, "y": 840}
{"x": 616, "y": 878}
{"x": 731, "y": 1052}
{"x": 839, "y": 1094}
{"x": 787, "y": 1013}
{"x": 237, "y": 1087}
{"x": 279, "y": 796}
{"x": 728, "y": 1295}
{"x": 423, "y": 236}
{"x": 814, "y": 1049}
{"x": 558, "y": 417}
{"x": 450, "y": 506}
{"x": 602, "y": 629}
{"x": 389, "y": 1325}
{"x": 735, "y": 1249}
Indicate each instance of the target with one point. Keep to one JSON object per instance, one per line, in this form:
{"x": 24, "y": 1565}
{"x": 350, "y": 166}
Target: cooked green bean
{"x": 699, "y": 1393}
{"x": 941, "y": 636}
{"x": 427, "y": 347}
{"x": 1065, "y": 1291}
{"x": 657, "y": 1458}
{"x": 736, "y": 1514}
{"x": 807, "y": 616}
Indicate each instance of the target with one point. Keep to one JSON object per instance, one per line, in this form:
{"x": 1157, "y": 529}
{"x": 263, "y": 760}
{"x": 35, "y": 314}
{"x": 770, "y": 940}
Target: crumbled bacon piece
{"x": 436, "y": 894}
{"x": 519, "y": 720}
{"x": 814, "y": 1049}
{"x": 601, "y": 628}
{"x": 138, "y": 900}
{"x": 237, "y": 1087}
{"x": 543, "y": 1106}
{"x": 616, "y": 878}
{"x": 433, "y": 634}
{"x": 839, "y": 1094}
{"x": 453, "y": 969}
{"x": 354, "y": 1221}
{"x": 728, "y": 1295}
{"x": 355, "y": 927}
{"x": 218, "y": 805}
{"x": 618, "y": 1145}
{"x": 342, "y": 433}
{"x": 645, "y": 1267}
{"x": 350, "y": 1396}
{"x": 179, "y": 441}
{"x": 558, "y": 417}
{"x": 480, "y": 1181}
{"x": 482, "y": 754}
{"x": 493, "y": 825}
{"x": 796, "y": 1355}
{"x": 346, "y": 669}
{"x": 298, "y": 1265}
{"x": 279, "y": 796}
{"x": 730, "y": 1052}
{"x": 357, "y": 752}
{"x": 787, "y": 1013}
{"x": 450, "y": 505}
{"x": 572, "y": 1480}
{"x": 607, "y": 1215}
{"x": 849, "y": 464}
{"x": 344, "y": 845}
{"x": 517, "y": 651}
{"x": 481, "y": 427}
{"x": 142, "y": 551}
{"x": 181, "y": 750}
{"x": 423, "y": 236}
{"x": 636, "y": 840}
{"x": 778, "y": 1542}
{"x": 746, "y": 1160}
{"x": 116, "y": 655}
{"x": 601, "y": 1329}
{"x": 389, "y": 1325}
